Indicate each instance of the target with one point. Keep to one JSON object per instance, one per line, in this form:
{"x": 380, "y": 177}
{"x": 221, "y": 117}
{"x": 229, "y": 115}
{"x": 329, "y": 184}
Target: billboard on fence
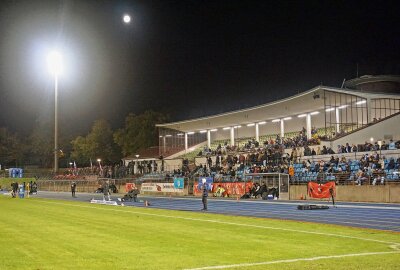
{"x": 231, "y": 188}
{"x": 160, "y": 187}
{"x": 179, "y": 182}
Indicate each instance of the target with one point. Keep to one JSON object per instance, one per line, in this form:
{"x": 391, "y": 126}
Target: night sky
{"x": 186, "y": 58}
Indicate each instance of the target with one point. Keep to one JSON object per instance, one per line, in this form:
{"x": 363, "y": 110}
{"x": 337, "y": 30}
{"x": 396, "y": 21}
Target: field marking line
{"x": 107, "y": 208}
{"x": 292, "y": 260}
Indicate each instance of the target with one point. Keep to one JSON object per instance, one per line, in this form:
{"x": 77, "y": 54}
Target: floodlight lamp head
{"x": 54, "y": 62}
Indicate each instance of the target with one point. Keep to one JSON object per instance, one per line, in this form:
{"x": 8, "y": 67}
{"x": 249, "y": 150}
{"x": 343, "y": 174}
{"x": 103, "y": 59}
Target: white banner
{"x": 159, "y": 187}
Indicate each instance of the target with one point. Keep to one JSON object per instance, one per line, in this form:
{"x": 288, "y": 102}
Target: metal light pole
{"x": 54, "y": 61}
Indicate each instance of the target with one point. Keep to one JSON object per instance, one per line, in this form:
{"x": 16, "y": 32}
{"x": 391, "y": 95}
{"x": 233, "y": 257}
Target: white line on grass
{"x": 223, "y": 222}
{"x": 292, "y": 260}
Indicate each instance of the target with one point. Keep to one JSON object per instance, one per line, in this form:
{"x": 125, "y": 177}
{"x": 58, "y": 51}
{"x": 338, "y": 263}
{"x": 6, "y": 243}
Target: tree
{"x": 11, "y": 148}
{"x": 97, "y": 144}
{"x": 139, "y": 132}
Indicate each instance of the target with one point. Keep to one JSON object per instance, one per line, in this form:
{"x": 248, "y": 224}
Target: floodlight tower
{"x": 54, "y": 60}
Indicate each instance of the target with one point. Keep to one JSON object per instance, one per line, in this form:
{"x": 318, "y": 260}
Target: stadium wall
{"x": 377, "y": 194}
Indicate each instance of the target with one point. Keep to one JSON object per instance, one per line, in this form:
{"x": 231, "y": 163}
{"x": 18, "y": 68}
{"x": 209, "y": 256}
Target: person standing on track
{"x": 204, "y": 195}
{"x": 73, "y": 189}
{"x": 106, "y": 190}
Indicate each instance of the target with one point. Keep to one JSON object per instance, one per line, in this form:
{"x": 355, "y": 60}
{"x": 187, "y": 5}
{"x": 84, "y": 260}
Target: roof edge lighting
{"x": 180, "y": 134}
{"x": 203, "y": 131}
{"x": 287, "y": 118}
{"x": 330, "y": 109}
{"x": 361, "y": 102}
{"x": 190, "y": 132}
{"x": 262, "y": 122}
{"x": 213, "y": 130}
{"x": 251, "y": 125}
{"x": 276, "y": 120}
{"x": 226, "y": 128}
{"x": 315, "y": 113}
{"x": 302, "y": 115}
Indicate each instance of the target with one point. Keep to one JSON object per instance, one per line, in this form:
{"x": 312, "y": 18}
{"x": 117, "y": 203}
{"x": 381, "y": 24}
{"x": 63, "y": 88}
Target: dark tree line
{"x": 139, "y": 132}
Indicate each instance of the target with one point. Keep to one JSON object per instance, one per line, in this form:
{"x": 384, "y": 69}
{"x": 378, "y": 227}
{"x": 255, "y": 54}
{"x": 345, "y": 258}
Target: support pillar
{"x": 282, "y": 128}
{"x": 308, "y": 125}
{"x": 232, "y": 136}
{"x": 337, "y": 120}
{"x": 209, "y": 139}
{"x": 369, "y": 110}
{"x": 164, "y": 145}
{"x": 257, "y": 133}
{"x": 186, "y": 141}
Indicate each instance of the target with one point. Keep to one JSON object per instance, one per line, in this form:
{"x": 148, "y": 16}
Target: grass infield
{"x": 48, "y": 234}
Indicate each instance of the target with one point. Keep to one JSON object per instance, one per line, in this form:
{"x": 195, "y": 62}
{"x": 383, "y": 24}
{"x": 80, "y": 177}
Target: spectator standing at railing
{"x": 392, "y": 145}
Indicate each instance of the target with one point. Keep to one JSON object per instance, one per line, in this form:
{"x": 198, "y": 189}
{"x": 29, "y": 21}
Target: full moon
{"x": 127, "y": 19}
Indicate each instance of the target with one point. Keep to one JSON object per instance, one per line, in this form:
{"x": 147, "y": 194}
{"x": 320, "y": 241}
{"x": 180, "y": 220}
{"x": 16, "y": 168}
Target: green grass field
{"x": 48, "y": 234}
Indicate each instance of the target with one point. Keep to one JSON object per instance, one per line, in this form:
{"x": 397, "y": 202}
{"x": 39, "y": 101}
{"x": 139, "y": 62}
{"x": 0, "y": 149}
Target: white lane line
{"x": 292, "y": 260}
{"x": 107, "y": 208}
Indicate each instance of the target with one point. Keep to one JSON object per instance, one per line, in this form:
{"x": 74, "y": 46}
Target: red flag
{"x": 316, "y": 190}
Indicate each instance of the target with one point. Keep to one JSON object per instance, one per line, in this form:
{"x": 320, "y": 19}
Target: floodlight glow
{"x": 314, "y": 113}
{"x": 237, "y": 126}
{"x": 287, "y": 118}
{"x": 180, "y": 134}
{"x": 213, "y": 130}
{"x": 343, "y": 106}
{"x": 98, "y": 160}
{"x": 330, "y": 109}
{"x": 203, "y": 131}
{"x": 54, "y": 62}
{"x": 251, "y": 125}
{"x": 262, "y": 123}
{"x": 127, "y": 18}
{"x": 372, "y": 139}
{"x": 276, "y": 120}
{"x": 169, "y": 135}
{"x": 190, "y": 132}
{"x": 361, "y": 102}
{"x": 161, "y": 136}
{"x": 226, "y": 128}
{"x": 302, "y": 115}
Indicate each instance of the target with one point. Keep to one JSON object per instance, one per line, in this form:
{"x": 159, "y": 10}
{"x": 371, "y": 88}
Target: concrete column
{"x": 282, "y": 128}
{"x": 186, "y": 141}
{"x": 257, "y": 133}
{"x": 337, "y": 120}
{"x": 232, "y": 136}
{"x": 369, "y": 110}
{"x": 308, "y": 120}
{"x": 209, "y": 138}
{"x": 164, "y": 145}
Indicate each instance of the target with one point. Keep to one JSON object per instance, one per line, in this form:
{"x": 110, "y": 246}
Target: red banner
{"x": 129, "y": 186}
{"x": 231, "y": 188}
{"x": 316, "y": 190}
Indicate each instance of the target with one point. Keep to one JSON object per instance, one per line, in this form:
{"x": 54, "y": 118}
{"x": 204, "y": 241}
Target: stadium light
{"x": 179, "y": 134}
{"x": 262, "y": 123}
{"x": 168, "y": 135}
{"x": 190, "y": 132}
{"x": 276, "y": 120}
{"x": 226, "y": 128}
{"x": 213, "y": 130}
{"x": 54, "y": 63}
{"x": 251, "y": 125}
{"x": 330, "y": 109}
{"x": 343, "y": 106}
{"x": 237, "y": 126}
{"x": 203, "y": 131}
{"x": 287, "y": 118}
{"x": 161, "y": 136}
{"x": 315, "y": 113}
{"x": 361, "y": 102}
{"x": 302, "y": 115}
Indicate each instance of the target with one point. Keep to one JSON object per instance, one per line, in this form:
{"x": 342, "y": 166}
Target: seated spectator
{"x": 392, "y": 145}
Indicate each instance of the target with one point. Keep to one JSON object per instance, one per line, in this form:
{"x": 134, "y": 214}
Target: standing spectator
{"x": 73, "y": 189}
{"x": 204, "y": 195}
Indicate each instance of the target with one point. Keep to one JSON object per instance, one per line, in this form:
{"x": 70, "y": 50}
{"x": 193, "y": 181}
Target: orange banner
{"x": 129, "y": 186}
{"x": 316, "y": 190}
{"x": 231, "y": 188}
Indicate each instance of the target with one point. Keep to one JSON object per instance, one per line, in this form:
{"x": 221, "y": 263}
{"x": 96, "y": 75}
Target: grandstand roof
{"x": 298, "y": 104}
